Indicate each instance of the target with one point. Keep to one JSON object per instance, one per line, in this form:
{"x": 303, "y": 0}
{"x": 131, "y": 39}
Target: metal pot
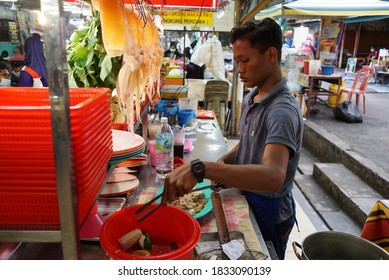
{"x": 332, "y": 245}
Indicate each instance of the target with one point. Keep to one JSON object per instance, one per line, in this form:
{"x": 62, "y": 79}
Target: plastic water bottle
{"x": 164, "y": 150}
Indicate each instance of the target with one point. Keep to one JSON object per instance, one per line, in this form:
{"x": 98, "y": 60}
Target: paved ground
{"x": 370, "y": 139}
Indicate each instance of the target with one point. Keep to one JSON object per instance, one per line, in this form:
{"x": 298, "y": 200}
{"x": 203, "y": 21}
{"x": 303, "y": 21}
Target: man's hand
{"x": 178, "y": 183}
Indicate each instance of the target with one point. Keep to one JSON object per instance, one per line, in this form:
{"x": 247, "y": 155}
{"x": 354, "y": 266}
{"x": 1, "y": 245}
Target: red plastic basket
{"x": 29, "y": 201}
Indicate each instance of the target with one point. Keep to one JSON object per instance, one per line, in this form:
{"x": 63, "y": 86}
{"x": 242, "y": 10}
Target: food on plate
{"x": 192, "y": 202}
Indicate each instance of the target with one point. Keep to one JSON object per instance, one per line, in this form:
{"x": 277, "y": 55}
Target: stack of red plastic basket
{"x": 28, "y": 191}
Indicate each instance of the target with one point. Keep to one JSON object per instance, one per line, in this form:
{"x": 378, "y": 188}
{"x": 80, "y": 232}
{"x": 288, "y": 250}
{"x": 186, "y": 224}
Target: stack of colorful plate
{"x": 121, "y": 181}
{"x": 28, "y": 190}
{"x": 125, "y": 145}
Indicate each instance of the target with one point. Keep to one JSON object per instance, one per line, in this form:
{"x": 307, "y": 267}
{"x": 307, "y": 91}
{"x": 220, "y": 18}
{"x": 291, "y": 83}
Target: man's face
{"x": 253, "y": 67}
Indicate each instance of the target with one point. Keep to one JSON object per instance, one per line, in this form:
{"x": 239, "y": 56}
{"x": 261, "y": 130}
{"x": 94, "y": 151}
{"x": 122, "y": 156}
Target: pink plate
{"x": 119, "y": 188}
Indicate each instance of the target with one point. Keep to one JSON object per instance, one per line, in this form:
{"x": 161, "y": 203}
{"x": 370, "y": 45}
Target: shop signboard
{"x": 13, "y": 33}
{"x": 187, "y": 18}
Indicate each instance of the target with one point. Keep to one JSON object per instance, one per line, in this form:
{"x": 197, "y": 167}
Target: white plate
{"x": 124, "y": 141}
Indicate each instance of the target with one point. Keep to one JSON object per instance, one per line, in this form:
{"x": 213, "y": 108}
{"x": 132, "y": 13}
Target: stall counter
{"x": 208, "y": 146}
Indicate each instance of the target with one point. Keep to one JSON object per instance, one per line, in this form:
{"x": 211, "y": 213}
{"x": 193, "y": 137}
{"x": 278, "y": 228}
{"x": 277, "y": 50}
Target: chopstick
{"x": 141, "y": 209}
{"x": 146, "y": 205}
{"x": 141, "y": 218}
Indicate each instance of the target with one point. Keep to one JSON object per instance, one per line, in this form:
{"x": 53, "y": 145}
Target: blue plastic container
{"x": 327, "y": 70}
{"x": 161, "y": 108}
{"x": 186, "y": 117}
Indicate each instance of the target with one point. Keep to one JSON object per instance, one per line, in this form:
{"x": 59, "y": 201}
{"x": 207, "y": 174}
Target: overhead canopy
{"x": 363, "y": 19}
{"x": 205, "y": 5}
{"x": 343, "y": 8}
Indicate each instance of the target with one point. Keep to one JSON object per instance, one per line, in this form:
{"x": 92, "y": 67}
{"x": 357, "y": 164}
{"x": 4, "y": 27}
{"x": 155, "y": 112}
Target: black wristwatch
{"x": 198, "y": 170}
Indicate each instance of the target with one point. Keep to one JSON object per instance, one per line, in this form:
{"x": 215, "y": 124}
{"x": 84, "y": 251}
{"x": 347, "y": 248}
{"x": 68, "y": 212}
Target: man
{"x": 172, "y": 52}
{"x": 264, "y": 162}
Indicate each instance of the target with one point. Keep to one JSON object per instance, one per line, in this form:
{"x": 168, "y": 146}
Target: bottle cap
{"x": 164, "y": 120}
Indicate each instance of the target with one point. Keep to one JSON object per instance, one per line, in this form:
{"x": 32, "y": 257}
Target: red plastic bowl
{"x": 165, "y": 226}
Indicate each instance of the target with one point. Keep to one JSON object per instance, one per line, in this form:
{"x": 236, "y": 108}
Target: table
{"x": 382, "y": 77}
{"x": 309, "y": 87}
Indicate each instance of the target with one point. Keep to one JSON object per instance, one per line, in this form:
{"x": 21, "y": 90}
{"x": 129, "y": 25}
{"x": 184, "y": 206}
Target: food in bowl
{"x": 138, "y": 242}
{"x": 134, "y": 237}
{"x": 174, "y": 233}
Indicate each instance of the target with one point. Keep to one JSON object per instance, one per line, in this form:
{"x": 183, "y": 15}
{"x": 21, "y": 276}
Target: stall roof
{"x": 342, "y": 8}
{"x": 364, "y": 19}
{"x": 206, "y": 5}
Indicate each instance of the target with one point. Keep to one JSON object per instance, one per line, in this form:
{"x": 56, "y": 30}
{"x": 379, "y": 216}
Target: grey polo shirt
{"x": 276, "y": 118}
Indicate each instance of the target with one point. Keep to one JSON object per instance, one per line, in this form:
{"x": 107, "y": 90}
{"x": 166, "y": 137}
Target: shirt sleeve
{"x": 283, "y": 128}
{"x": 25, "y": 79}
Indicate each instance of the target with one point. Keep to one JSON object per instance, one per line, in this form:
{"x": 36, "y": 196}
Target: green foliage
{"x": 88, "y": 62}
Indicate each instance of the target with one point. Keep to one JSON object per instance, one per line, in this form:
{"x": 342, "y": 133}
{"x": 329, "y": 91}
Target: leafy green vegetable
{"x": 88, "y": 63}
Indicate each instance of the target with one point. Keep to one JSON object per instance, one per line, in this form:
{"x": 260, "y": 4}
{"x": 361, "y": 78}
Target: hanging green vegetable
{"x": 88, "y": 62}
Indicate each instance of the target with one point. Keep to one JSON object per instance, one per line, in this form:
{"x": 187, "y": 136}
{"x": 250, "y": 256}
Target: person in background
{"x": 5, "y": 76}
{"x": 7, "y": 79}
{"x": 16, "y": 67}
{"x": 372, "y": 55}
{"x": 172, "y": 52}
{"x": 16, "y": 62}
{"x": 264, "y": 162}
{"x": 193, "y": 71}
{"x": 34, "y": 71}
{"x": 188, "y": 51}
{"x": 315, "y": 45}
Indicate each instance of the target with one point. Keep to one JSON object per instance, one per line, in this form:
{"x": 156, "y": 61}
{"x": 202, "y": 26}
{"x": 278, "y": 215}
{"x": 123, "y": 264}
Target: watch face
{"x": 198, "y": 168}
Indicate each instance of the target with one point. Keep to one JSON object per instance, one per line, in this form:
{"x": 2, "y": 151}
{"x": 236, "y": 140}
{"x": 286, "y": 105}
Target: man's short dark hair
{"x": 261, "y": 35}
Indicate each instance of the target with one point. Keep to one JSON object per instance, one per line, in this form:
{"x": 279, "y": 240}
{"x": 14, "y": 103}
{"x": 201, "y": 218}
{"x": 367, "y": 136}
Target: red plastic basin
{"x": 165, "y": 226}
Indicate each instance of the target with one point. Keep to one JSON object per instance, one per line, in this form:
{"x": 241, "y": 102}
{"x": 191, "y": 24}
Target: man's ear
{"x": 272, "y": 55}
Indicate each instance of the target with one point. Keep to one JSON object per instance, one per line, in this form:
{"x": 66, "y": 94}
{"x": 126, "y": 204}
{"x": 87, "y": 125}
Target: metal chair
{"x": 359, "y": 86}
{"x": 216, "y": 98}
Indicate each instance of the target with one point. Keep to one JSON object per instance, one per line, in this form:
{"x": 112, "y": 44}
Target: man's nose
{"x": 240, "y": 69}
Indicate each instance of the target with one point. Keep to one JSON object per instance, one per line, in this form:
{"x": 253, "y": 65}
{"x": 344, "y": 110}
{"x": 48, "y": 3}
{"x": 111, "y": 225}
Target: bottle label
{"x": 164, "y": 142}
